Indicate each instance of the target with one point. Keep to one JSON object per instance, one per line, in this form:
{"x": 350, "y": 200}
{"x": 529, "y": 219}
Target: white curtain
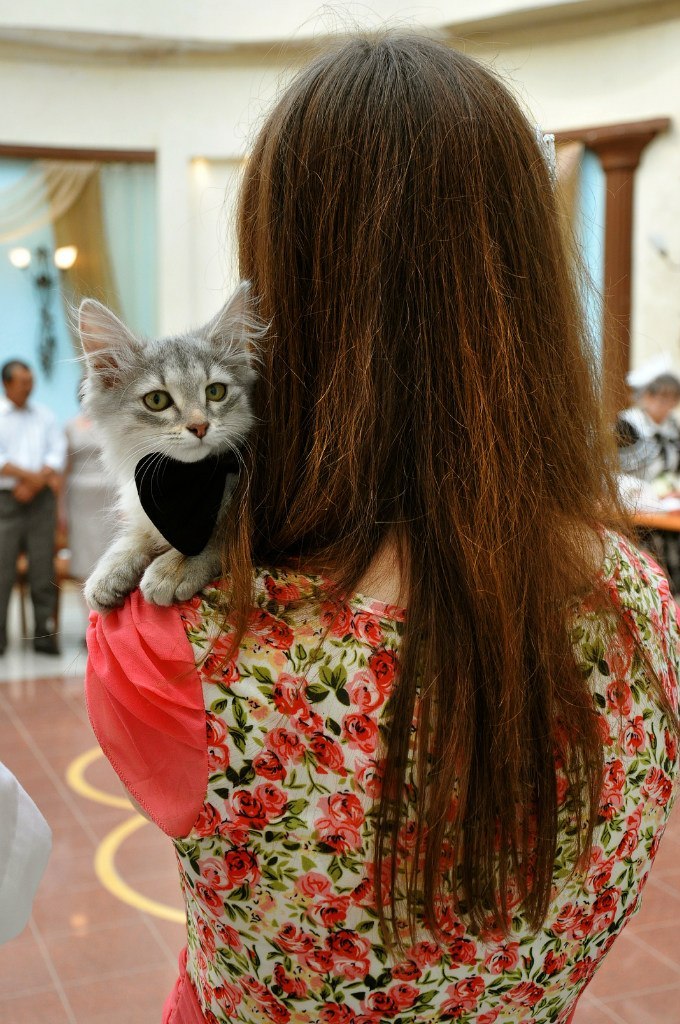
{"x": 129, "y": 209}
{"x": 44, "y": 193}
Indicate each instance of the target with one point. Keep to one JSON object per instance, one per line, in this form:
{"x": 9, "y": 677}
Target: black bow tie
{"x": 183, "y": 499}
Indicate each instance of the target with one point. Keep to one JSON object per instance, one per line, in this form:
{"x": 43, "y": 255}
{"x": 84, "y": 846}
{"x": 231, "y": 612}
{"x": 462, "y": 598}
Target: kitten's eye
{"x": 157, "y": 401}
{"x": 215, "y": 392}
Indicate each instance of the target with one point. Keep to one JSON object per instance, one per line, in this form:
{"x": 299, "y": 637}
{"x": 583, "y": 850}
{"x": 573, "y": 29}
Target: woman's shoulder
{"x": 629, "y": 646}
{"x": 630, "y": 654}
{"x": 637, "y": 585}
{"x": 301, "y": 600}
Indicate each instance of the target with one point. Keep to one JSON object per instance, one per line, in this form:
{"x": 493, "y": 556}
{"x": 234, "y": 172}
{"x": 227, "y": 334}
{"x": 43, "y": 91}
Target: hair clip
{"x": 546, "y": 144}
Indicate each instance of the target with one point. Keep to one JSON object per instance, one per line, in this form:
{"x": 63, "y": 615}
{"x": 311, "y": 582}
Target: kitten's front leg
{"x": 177, "y": 577}
{"x": 117, "y": 573}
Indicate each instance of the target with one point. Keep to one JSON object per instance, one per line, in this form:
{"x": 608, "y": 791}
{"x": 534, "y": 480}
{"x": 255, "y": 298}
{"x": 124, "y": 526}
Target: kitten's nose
{"x": 199, "y": 429}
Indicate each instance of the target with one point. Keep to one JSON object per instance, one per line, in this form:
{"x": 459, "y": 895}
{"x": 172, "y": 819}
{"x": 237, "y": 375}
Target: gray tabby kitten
{"x": 186, "y": 396}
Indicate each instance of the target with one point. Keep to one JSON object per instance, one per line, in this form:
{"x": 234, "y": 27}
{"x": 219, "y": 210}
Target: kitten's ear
{"x": 107, "y": 343}
{"x": 237, "y": 322}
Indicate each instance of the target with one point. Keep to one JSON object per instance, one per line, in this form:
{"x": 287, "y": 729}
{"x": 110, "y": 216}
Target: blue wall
{"x": 590, "y": 235}
{"x": 19, "y": 336}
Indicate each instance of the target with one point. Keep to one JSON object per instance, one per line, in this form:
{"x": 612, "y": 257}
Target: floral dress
{"x": 264, "y": 769}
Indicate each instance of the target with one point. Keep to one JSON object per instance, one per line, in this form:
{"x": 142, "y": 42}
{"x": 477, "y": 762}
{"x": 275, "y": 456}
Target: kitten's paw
{"x": 107, "y": 588}
{"x": 176, "y": 577}
{"x": 158, "y": 582}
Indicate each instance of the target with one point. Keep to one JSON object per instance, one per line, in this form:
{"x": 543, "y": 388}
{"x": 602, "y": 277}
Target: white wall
{"x": 215, "y": 23}
{"x": 214, "y": 186}
{"x": 621, "y": 68}
{"x": 614, "y": 75}
{"x": 195, "y": 110}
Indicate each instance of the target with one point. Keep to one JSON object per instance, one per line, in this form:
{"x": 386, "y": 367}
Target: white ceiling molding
{"x": 167, "y": 28}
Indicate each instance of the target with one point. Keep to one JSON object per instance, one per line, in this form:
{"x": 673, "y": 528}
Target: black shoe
{"x": 46, "y": 645}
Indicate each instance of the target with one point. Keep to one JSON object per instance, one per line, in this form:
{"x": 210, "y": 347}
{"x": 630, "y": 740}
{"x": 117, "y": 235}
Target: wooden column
{"x": 619, "y": 148}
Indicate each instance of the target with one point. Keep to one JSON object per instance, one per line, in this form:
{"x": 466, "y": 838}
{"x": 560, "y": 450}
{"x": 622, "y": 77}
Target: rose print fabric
{"x": 276, "y": 869}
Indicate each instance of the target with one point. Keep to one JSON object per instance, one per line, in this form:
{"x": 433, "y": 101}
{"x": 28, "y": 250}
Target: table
{"x": 657, "y": 521}
{"x": 663, "y": 546}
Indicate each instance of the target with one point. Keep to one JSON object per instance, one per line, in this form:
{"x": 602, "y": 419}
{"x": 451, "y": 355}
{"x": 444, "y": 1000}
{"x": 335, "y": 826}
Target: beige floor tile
{"x": 39, "y": 1008}
{"x": 656, "y": 1007}
{"x": 105, "y": 952}
{"x": 135, "y": 998}
{"x": 629, "y": 968}
{"x": 22, "y": 968}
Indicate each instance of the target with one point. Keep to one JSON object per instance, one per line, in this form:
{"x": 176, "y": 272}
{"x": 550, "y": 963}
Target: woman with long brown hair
{"x": 440, "y": 692}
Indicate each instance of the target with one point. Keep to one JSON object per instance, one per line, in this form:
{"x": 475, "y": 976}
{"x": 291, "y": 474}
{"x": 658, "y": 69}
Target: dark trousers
{"x": 31, "y": 528}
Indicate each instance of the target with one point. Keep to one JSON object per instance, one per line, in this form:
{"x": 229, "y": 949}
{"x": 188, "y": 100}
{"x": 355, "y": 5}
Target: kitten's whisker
{"x": 155, "y": 471}
{"x": 92, "y": 455}
{"x": 150, "y": 468}
{"x": 140, "y": 447}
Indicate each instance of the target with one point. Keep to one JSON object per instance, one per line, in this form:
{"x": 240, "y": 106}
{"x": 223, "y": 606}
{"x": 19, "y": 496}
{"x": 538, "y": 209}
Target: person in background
{"x": 87, "y": 501}
{"x": 25, "y": 844}
{"x": 417, "y": 748}
{"x": 32, "y": 459}
{"x": 648, "y": 441}
{"x": 647, "y": 434}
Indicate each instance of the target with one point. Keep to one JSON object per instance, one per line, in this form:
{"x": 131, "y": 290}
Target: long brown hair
{"x": 427, "y": 379}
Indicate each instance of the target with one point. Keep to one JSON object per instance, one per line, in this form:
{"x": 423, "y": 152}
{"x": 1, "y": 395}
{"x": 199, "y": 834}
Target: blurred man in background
{"x": 32, "y": 458}
{"x": 648, "y": 435}
{"x": 648, "y": 439}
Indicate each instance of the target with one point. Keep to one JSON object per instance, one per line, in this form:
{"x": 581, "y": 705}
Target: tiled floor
{"x": 86, "y": 957}
{"x": 89, "y": 958}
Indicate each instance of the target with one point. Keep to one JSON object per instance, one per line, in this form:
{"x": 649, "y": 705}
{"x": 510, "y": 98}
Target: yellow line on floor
{"x": 105, "y": 854}
{"x": 107, "y": 873}
{"x": 75, "y": 776}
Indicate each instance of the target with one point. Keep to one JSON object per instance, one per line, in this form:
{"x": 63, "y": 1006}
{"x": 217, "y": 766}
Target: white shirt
{"x": 25, "y": 844}
{"x": 657, "y": 448}
{"x": 29, "y": 438}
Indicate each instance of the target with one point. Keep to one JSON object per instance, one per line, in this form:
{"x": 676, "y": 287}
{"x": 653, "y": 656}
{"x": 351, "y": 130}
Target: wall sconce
{"x": 43, "y": 279}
